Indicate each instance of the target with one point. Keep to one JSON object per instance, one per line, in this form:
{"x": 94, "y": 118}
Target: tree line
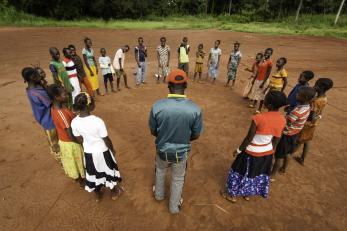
{"x": 254, "y": 10}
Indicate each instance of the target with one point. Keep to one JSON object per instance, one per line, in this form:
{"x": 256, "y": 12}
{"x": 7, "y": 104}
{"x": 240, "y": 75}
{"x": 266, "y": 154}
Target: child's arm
{"x": 85, "y": 59}
{"x": 228, "y": 65}
{"x": 109, "y": 144}
{"x": 96, "y": 66}
{"x": 54, "y": 73}
{"x": 209, "y": 59}
{"x": 168, "y": 58}
{"x": 158, "y": 58}
{"x": 219, "y": 56}
{"x": 146, "y": 52}
{"x": 285, "y": 83}
{"x": 72, "y": 137}
{"x": 268, "y": 72}
{"x": 275, "y": 141}
{"x": 248, "y": 139}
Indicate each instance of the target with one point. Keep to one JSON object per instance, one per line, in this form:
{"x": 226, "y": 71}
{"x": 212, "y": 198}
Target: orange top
{"x": 262, "y": 69}
{"x": 62, "y": 119}
{"x": 270, "y": 123}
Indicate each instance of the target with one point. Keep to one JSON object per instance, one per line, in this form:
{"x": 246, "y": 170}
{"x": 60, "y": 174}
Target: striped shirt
{"x": 62, "y": 120}
{"x": 70, "y": 67}
{"x": 297, "y": 119}
{"x": 268, "y": 125}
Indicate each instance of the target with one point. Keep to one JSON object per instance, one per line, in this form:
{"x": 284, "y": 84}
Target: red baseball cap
{"x": 177, "y": 76}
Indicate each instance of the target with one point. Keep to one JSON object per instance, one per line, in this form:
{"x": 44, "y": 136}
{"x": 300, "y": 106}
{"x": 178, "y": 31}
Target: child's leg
{"x": 260, "y": 105}
{"x": 195, "y": 73}
{"x": 227, "y": 83}
{"x": 285, "y": 164}
{"x": 305, "y": 150}
{"x": 200, "y": 75}
{"x": 105, "y": 83}
{"x": 276, "y": 166}
{"x": 125, "y": 80}
{"x": 232, "y": 85}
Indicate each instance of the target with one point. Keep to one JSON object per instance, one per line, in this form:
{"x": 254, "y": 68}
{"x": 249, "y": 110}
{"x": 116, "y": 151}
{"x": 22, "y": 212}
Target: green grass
{"x": 316, "y": 25}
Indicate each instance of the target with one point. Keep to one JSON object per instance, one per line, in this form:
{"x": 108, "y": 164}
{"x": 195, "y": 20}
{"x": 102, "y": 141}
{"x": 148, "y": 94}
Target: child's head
{"x": 88, "y": 42}
{"x": 305, "y": 77}
{"x": 54, "y": 52}
{"x": 185, "y": 40}
{"x": 126, "y": 48}
{"x": 83, "y": 102}
{"x": 274, "y": 100}
{"x": 322, "y": 85}
{"x": 259, "y": 57}
{"x": 67, "y": 52}
{"x": 217, "y": 43}
{"x": 268, "y": 52}
{"x": 162, "y": 41}
{"x": 305, "y": 94}
{"x": 72, "y": 49}
{"x": 281, "y": 62}
{"x": 200, "y": 46}
{"x": 30, "y": 75}
{"x": 103, "y": 52}
{"x": 236, "y": 46}
{"x": 57, "y": 93}
{"x": 140, "y": 40}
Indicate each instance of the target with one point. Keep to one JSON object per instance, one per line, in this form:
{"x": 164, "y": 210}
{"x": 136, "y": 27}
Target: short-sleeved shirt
{"x": 199, "y": 57}
{"x": 296, "y": 119}
{"x": 105, "y": 65}
{"x": 90, "y": 56}
{"x": 268, "y": 125}
{"x": 41, "y": 107}
{"x": 163, "y": 53}
{"x": 262, "y": 70}
{"x": 183, "y": 54}
{"x": 93, "y": 130}
{"x": 277, "y": 79}
{"x": 175, "y": 120}
{"x": 292, "y": 97}
{"x": 140, "y": 51}
{"x": 119, "y": 55}
{"x": 215, "y": 53}
{"x": 62, "y": 120}
{"x": 79, "y": 66}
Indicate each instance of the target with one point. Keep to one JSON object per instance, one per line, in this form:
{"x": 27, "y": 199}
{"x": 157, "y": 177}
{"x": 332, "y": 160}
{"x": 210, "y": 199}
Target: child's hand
{"x": 235, "y": 153}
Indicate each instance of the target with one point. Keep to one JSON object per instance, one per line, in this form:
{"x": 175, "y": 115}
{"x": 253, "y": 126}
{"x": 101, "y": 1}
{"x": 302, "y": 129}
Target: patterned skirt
{"x": 249, "y": 176}
{"x": 258, "y": 93}
{"x": 101, "y": 171}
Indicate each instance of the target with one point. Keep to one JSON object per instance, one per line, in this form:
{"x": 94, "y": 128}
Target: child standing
{"x": 261, "y": 81}
{"x": 250, "y": 173}
{"x": 81, "y": 74}
{"x": 278, "y": 81}
{"x": 118, "y": 64}
{"x": 183, "y": 56}
{"x": 303, "y": 80}
{"x": 295, "y": 123}
{"x": 72, "y": 72}
{"x": 163, "y": 56}
{"x": 60, "y": 76}
{"x": 41, "y": 107}
{"x": 214, "y": 60}
{"x": 140, "y": 57}
{"x": 233, "y": 64}
{"x": 106, "y": 69}
{"x": 99, "y": 161}
{"x": 199, "y": 63}
{"x": 71, "y": 151}
{"x": 321, "y": 86}
{"x": 248, "y": 89}
{"x": 90, "y": 64}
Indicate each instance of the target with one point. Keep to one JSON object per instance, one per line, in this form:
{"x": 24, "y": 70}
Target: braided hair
{"x": 82, "y": 101}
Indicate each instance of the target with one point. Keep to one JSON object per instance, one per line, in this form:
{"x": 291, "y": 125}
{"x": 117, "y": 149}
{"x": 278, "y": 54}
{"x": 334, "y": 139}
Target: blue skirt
{"x": 249, "y": 176}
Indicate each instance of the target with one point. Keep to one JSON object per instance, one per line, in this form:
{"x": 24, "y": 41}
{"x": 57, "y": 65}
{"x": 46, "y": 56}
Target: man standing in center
{"x": 175, "y": 122}
{"x": 140, "y": 57}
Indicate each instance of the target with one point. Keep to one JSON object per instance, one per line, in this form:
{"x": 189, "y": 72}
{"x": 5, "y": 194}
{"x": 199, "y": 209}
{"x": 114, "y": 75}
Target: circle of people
{"x": 80, "y": 141}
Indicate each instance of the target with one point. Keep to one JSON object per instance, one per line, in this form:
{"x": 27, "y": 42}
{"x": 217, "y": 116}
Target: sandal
{"x": 224, "y": 194}
{"x": 116, "y": 192}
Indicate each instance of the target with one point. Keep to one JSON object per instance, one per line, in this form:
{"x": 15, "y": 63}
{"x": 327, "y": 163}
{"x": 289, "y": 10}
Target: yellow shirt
{"x": 183, "y": 55}
{"x": 277, "y": 79}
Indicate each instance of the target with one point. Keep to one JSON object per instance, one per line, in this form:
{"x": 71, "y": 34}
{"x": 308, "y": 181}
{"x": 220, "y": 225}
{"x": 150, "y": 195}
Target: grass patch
{"x": 316, "y": 25}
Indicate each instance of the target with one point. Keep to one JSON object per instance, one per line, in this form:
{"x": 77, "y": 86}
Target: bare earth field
{"x": 36, "y": 195}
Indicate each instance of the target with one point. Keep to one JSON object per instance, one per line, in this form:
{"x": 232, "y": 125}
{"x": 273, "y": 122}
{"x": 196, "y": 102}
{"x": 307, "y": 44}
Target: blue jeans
{"x": 141, "y": 73}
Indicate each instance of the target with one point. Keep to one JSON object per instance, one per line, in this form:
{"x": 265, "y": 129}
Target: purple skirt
{"x": 249, "y": 176}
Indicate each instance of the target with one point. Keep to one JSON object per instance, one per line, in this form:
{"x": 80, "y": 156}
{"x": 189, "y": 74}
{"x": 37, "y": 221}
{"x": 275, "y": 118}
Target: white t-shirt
{"x": 214, "y": 55}
{"x": 92, "y": 129}
{"x": 119, "y": 55}
{"x": 104, "y": 65}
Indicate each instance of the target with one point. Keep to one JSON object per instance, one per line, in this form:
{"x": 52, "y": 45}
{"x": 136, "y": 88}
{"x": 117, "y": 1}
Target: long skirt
{"x": 249, "y": 176}
{"x": 72, "y": 159}
{"x": 258, "y": 93}
{"x": 101, "y": 171}
{"x": 94, "y": 80}
{"x": 248, "y": 88}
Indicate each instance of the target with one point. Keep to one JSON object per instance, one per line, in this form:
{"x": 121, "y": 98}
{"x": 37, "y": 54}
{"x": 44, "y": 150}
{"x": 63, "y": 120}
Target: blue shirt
{"x": 41, "y": 107}
{"x": 175, "y": 119}
{"x": 140, "y": 51}
{"x": 292, "y": 97}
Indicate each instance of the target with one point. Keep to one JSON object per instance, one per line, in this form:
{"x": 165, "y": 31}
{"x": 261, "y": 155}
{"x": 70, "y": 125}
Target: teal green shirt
{"x": 175, "y": 119}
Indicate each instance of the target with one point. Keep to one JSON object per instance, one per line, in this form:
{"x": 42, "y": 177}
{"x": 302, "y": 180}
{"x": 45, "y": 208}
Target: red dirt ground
{"x": 36, "y": 195}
